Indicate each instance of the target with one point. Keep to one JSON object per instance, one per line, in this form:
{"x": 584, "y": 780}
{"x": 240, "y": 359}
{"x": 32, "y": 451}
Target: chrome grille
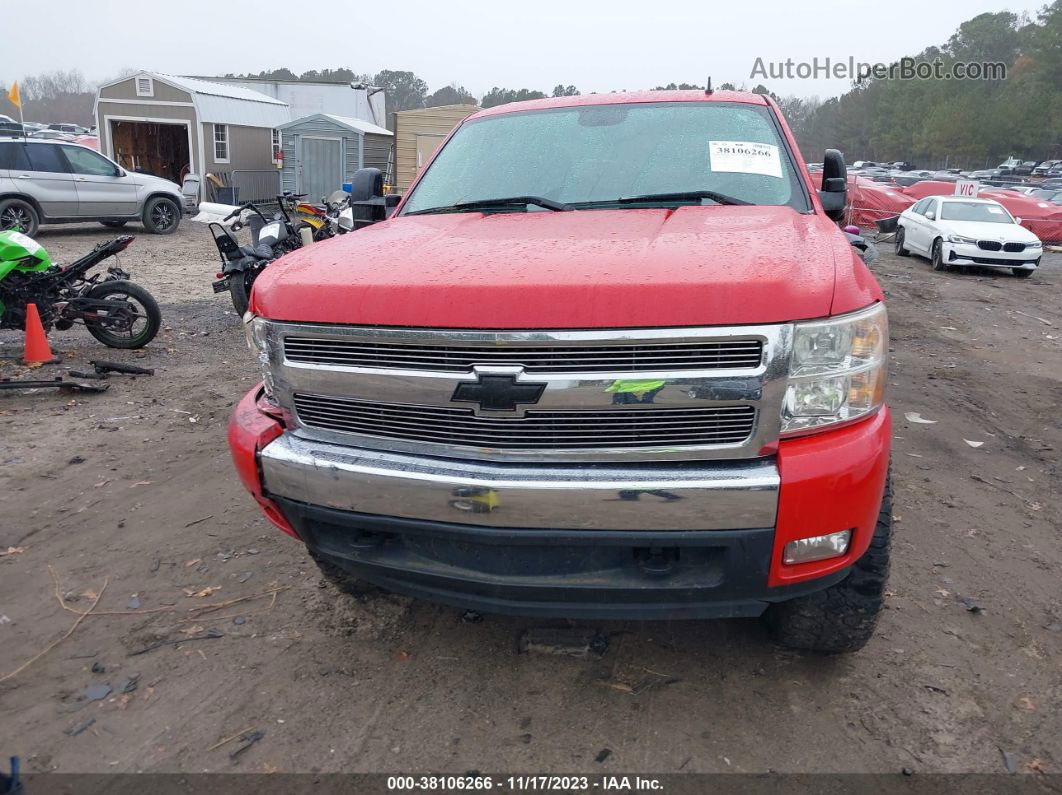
{"x": 643, "y": 357}
{"x": 599, "y": 429}
{"x": 989, "y": 245}
{"x": 723, "y": 387}
{"x": 1014, "y": 247}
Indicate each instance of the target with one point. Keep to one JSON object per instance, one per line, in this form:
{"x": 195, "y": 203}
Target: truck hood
{"x": 629, "y": 268}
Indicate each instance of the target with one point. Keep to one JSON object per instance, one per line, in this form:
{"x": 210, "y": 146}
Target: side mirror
{"x": 391, "y": 201}
{"x": 834, "y": 193}
{"x": 366, "y": 184}
{"x": 1017, "y": 220}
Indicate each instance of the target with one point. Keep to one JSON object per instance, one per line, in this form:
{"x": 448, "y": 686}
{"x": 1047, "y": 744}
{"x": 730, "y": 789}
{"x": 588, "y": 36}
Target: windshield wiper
{"x": 509, "y": 201}
{"x": 682, "y": 196}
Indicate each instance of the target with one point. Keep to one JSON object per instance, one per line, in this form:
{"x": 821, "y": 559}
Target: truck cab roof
{"x": 625, "y": 98}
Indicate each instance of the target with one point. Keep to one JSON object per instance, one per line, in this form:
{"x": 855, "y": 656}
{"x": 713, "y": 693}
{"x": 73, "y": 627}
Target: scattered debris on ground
{"x": 211, "y": 634}
{"x": 246, "y": 741}
{"x": 636, "y": 681}
{"x": 563, "y": 641}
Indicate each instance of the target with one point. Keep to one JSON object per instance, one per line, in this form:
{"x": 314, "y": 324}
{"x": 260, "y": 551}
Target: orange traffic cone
{"x": 37, "y": 350}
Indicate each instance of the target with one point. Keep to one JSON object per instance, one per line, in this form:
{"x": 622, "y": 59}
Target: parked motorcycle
{"x": 328, "y": 219}
{"x": 240, "y": 265}
{"x": 306, "y": 215}
{"x": 340, "y": 212}
{"x": 117, "y": 312}
{"x": 297, "y": 224}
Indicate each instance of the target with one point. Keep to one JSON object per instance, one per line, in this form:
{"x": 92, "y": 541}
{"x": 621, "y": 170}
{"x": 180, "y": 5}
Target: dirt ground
{"x": 130, "y": 497}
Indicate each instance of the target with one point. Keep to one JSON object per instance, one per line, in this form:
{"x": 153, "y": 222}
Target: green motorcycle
{"x": 117, "y": 312}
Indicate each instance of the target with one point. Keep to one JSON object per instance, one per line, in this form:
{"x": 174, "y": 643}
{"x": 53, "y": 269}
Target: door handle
{"x": 81, "y": 179}
{"x": 23, "y": 176}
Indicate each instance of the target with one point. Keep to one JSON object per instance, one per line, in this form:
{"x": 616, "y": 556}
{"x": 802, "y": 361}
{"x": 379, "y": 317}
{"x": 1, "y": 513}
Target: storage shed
{"x": 322, "y": 151}
{"x": 169, "y": 126}
{"x": 418, "y": 134}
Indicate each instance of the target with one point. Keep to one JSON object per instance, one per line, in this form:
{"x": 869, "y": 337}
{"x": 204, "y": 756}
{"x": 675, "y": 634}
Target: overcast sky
{"x": 597, "y": 45}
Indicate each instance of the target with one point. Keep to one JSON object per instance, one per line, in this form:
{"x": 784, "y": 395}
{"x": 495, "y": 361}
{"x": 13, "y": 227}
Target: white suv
{"x": 52, "y": 182}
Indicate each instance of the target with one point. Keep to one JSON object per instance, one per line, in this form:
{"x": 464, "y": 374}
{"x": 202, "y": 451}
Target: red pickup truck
{"x": 610, "y": 357}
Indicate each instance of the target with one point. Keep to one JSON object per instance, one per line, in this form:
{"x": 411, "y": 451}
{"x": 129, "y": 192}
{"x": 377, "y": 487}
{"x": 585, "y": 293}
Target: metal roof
{"x": 354, "y": 125}
{"x": 266, "y": 80}
{"x": 229, "y": 110}
{"x": 217, "y": 103}
{"x": 196, "y": 86}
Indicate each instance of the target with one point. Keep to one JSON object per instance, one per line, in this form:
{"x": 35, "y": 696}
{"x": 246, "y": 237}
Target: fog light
{"x": 806, "y": 550}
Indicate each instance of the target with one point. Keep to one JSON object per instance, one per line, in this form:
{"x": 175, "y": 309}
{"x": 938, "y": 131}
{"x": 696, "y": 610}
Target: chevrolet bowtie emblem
{"x": 497, "y": 392}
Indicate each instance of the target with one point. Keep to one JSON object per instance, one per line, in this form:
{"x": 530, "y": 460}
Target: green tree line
{"x": 961, "y": 123}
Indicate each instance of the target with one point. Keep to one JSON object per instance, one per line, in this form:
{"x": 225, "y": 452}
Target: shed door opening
{"x": 322, "y": 167}
{"x": 151, "y": 148}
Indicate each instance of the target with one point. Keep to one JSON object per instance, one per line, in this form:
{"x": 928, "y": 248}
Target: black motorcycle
{"x": 117, "y": 312}
{"x": 240, "y": 265}
{"x": 270, "y": 239}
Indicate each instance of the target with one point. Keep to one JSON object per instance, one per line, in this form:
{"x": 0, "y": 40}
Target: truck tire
{"x": 340, "y": 579}
{"x": 21, "y": 214}
{"x": 840, "y": 618}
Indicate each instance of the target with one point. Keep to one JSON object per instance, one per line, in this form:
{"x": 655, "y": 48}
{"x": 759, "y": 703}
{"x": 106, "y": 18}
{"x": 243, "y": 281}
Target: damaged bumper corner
{"x": 250, "y": 430}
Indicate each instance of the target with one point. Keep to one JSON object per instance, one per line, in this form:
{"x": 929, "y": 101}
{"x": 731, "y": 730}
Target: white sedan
{"x": 954, "y": 231}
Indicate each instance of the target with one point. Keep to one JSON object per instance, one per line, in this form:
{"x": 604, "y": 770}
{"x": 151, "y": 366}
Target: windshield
{"x": 969, "y": 211}
{"x": 595, "y": 155}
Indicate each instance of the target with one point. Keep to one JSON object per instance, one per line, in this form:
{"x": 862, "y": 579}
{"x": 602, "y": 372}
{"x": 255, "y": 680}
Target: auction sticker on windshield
{"x": 743, "y": 157}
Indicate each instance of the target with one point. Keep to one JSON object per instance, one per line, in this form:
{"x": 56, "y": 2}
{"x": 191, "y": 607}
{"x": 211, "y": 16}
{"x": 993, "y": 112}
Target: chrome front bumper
{"x": 664, "y": 495}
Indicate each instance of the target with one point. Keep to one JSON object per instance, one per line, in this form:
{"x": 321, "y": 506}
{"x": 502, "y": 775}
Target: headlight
{"x": 257, "y": 331}
{"x": 1037, "y": 244}
{"x": 961, "y": 239}
{"x": 837, "y": 370}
